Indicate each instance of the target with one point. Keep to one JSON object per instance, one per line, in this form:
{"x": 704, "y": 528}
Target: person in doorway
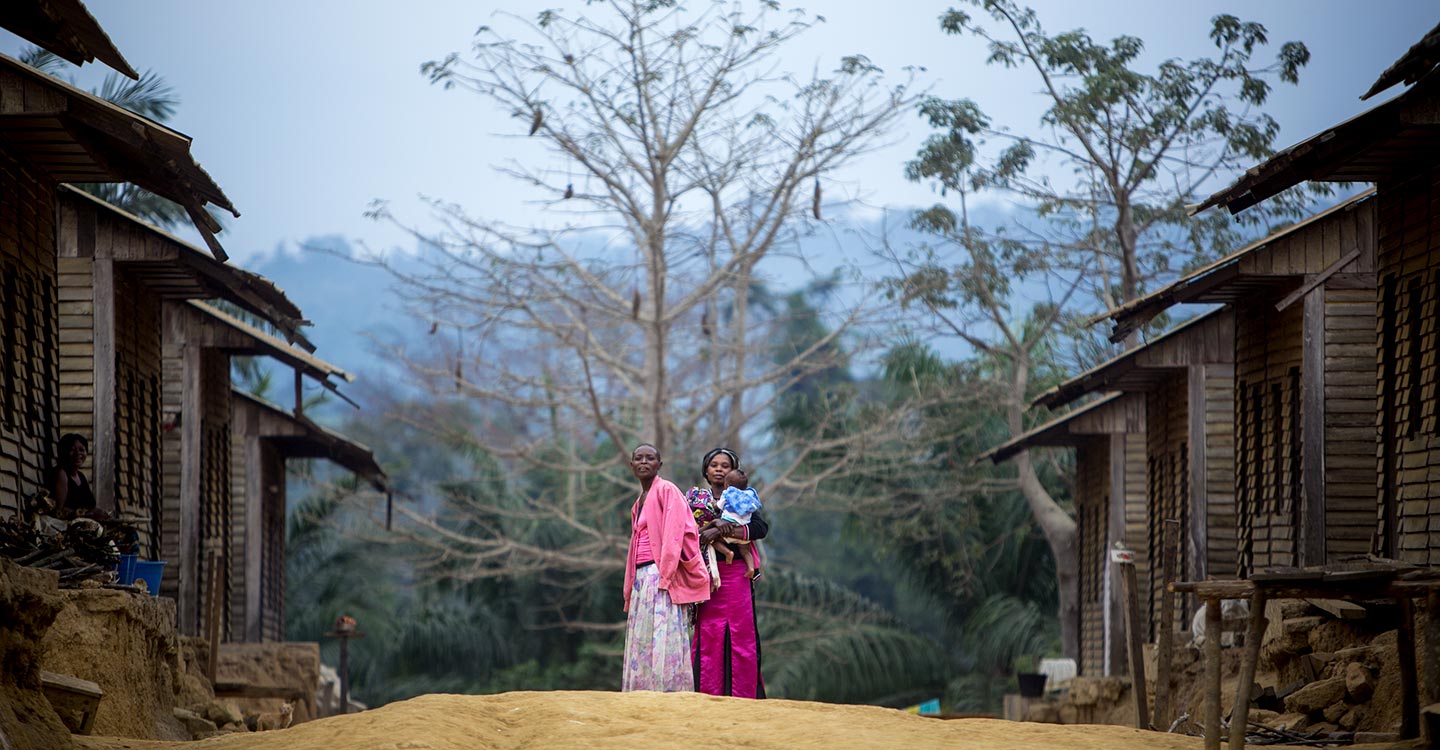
{"x": 664, "y": 574}
{"x": 69, "y": 489}
{"x": 726, "y": 654}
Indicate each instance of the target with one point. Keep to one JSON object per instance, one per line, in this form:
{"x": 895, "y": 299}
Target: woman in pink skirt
{"x": 727, "y": 641}
{"x": 664, "y": 575}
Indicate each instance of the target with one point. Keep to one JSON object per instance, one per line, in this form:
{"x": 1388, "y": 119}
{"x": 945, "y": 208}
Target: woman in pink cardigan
{"x": 664, "y": 574}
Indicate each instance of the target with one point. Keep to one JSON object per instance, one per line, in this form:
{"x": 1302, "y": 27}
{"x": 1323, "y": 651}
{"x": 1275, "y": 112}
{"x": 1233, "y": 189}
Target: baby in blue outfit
{"x": 736, "y": 504}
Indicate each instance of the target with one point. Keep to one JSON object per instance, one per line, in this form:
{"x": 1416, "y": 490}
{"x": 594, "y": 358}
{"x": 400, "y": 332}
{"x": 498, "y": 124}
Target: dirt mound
{"x": 624, "y": 721}
{"x": 29, "y": 601}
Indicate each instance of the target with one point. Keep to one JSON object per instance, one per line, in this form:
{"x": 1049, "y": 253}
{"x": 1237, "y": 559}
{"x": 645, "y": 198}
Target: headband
{"x": 734, "y": 459}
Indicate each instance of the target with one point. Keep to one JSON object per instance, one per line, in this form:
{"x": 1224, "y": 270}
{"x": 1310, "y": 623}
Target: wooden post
{"x": 1213, "y": 625}
{"x": 1432, "y": 646}
{"x": 1165, "y": 642}
{"x": 1409, "y": 693}
{"x": 1136, "y": 639}
{"x": 215, "y": 611}
{"x": 1240, "y": 715}
{"x": 344, "y": 675}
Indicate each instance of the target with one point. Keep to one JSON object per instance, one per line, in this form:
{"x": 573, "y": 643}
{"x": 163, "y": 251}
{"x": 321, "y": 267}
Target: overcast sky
{"x": 306, "y": 110}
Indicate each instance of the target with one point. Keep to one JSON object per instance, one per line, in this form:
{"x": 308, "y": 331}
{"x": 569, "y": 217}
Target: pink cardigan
{"x": 675, "y": 542}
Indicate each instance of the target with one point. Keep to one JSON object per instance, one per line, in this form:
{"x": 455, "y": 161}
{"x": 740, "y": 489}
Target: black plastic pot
{"x": 1032, "y": 685}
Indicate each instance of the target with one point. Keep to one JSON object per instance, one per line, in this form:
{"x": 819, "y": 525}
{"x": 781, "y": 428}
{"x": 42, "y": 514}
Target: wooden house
{"x": 1187, "y": 380}
{"x": 53, "y": 133}
{"x": 1304, "y": 311}
{"x": 202, "y": 508}
{"x": 65, "y": 28}
{"x": 1394, "y": 146}
{"x": 1108, "y": 436}
{"x": 114, "y": 273}
{"x": 265, "y": 437}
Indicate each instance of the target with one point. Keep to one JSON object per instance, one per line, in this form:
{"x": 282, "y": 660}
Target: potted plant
{"x": 1028, "y": 674}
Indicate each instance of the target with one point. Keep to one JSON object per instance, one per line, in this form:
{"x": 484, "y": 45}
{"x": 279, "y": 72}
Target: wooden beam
{"x": 1339, "y": 609}
{"x": 1136, "y": 638}
{"x": 254, "y": 530}
{"x": 1212, "y": 674}
{"x": 1114, "y": 613}
{"x": 104, "y": 439}
{"x": 1317, "y": 280}
{"x": 190, "y": 442}
{"x": 1197, "y": 567}
{"x": 1240, "y": 714}
{"x": 1312, "y": 426}
{"x": 1409, "y": 687}
{"x": 1165, "y": 645}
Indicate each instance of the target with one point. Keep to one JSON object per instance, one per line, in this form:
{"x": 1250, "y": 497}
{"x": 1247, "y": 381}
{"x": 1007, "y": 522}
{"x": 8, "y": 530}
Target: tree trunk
{"x": 1128, "y": 238}
{"x": 1055, "y": 524}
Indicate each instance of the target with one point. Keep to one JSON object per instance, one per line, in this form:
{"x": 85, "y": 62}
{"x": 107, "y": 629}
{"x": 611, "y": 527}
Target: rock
{"x": 1332, "y": 635}
{"x": 1044, "y": 713}
{"x": 1084, "y": 692}
{"x": 1352, "y": 718}
{"x": 1334, "y": 711}
{"x": 1368, "y": 738}
{"x": 1323, "y": 729}
{"x": 198, "y": 726}
{"x": 1293, "y": 722}
{"x": 221, "y": 713}
{"x": 1367, "y": 655}
{"x": 1315, "y": 696}
{"x": 29, "y": 603}
{"x": 1300, "y": 624}
{"x": 1069, "y": 713}
{"x": 235, "y": 727}
{"x": 1261, "y": 716}
{"x": 1359, "y": 683}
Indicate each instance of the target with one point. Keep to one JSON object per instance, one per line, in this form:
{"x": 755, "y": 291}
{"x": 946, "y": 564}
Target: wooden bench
{"x": 72, "y": 696}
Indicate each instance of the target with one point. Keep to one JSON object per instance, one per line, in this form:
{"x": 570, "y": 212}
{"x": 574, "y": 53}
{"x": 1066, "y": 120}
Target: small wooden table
{"x": 70, "y": 696}
{"x": 1402, "y": 584}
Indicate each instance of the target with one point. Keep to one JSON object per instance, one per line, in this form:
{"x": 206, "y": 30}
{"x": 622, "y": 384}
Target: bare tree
{"x": 682, "y": 156}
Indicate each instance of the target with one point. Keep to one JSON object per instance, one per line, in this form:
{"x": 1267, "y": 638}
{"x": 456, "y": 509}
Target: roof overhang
{"x": 260, "y": 343}
{"x": 1417, "y": 61}
{"x": 1081, "y": 425}
{"x": 1205, "y": 339}
{"x": 300, "y": 437}
{"x": 65, "y": 28}
{"x": 1230, "y": 279}
{"x": 72, "y": 135}
{"x": 175, "y": 269}
{"x": 1392, "y": 138}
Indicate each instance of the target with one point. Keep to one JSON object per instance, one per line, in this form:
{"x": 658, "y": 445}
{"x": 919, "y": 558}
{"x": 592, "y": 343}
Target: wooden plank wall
{"x": 1408, "y": 524}
{"x": 77, "y": 346}
{"x": 239, "y": 528}
{"x": 1219, "y": 448}
{"x": 215, "y": 507}
{"x": 172, "y": 393}
{"x": 1350, "y": 438}
{"x": 1268, "y": 351}
{"x": 29, "y": 364}
{"x": 1167, "y": 483}
{"x": 272, "y": 526}
{"x": 138, "y": 411}
{"x": 1092, "y": 504}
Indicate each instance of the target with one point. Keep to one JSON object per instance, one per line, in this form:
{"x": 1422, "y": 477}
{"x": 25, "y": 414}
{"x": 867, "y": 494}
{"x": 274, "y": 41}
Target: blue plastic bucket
{"x": 125, "y": 570}
{"x": 149, "y": 571}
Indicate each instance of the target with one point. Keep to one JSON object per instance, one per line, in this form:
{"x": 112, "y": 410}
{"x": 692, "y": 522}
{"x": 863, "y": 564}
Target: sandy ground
{"x": 601, "y": 721}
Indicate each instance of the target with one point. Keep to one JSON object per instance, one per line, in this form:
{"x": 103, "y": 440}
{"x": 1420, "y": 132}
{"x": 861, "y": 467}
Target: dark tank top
{"x": 79, "y": 497}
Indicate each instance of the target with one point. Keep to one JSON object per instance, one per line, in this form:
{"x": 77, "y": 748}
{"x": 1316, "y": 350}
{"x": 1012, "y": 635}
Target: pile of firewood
{"x": 83, "y": 549}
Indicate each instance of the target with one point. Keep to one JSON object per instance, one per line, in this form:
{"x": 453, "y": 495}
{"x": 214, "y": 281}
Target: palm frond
{"x": 150, "y": 96}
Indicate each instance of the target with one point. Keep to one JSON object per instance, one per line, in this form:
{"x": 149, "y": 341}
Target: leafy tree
{"x": 1105, "y": 177}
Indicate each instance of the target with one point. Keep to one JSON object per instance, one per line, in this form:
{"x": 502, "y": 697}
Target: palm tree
{"x": 151, "y": 97}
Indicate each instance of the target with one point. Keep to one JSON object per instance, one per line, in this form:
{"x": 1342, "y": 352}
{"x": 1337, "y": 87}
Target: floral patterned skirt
{"x": 657, "y": 639}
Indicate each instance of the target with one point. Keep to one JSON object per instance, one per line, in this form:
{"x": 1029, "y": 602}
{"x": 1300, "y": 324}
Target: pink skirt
{"x": 657, "y": 639}
{"x": 727, "y": 646}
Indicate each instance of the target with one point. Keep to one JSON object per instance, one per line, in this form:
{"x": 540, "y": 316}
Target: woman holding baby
{"x": 727, "y": 644}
